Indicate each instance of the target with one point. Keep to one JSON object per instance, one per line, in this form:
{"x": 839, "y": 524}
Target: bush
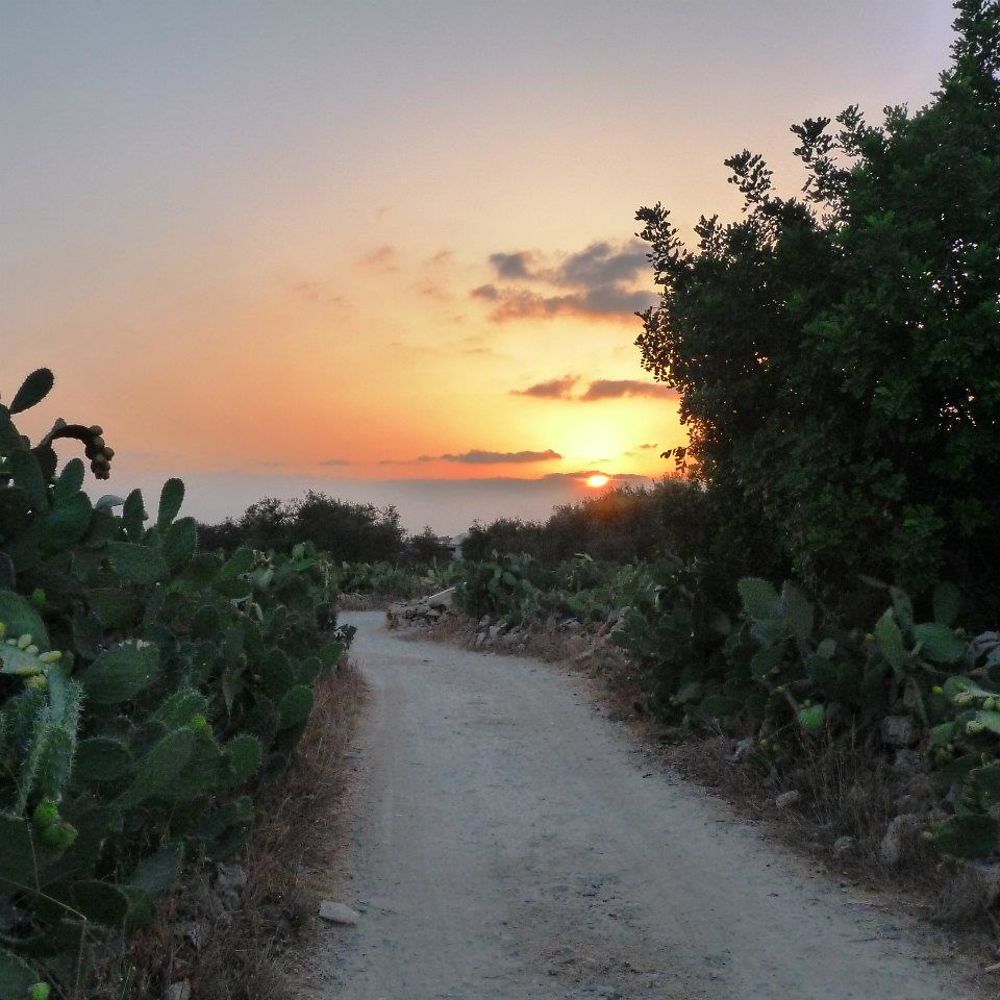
{"x": 146, "y": 690}
{"x": 836, "y": 355}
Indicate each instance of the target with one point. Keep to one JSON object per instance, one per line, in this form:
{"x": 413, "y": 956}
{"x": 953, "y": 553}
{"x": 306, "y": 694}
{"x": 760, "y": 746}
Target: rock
{"x": 902, "y": 834}
{"x": 484, "y": 622}
{"x": 480, "y": 639}
{"x": 845, "y": 845}
{"x": 494, "y": 631}
{"x": 230, "y": 881}
{"x": 443, "y": 599}
{"x": 787, "y": 799}
{"x": 179, "y": 991}
{"x": 742, "y": 750}
{"x": 986, "y": 881}
{"x": 231, "y": 876}
{"x": 338, "y": 913}
{"x": 195, "y": 933}
{"x": 909, "y": 762}
{"x": 899, "y": 731}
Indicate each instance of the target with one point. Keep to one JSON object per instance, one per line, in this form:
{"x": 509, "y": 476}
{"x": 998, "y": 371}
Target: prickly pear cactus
{"x": 146, "y": 692}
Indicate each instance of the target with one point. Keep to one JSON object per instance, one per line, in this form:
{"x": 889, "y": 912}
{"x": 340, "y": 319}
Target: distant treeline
{"x": 674, "y": 518}
{"x": 349, "y": 532}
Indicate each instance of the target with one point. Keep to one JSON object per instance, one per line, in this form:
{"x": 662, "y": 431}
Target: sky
{"x": 386, "y": 249}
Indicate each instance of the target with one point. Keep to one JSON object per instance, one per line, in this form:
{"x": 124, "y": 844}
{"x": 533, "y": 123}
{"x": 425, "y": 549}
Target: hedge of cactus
{"x": 146, "y": 691}
{"x": 777, "y": 672}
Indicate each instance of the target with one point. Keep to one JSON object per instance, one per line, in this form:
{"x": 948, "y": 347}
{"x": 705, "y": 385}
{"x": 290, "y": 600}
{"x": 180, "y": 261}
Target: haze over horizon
{"x": 386, "y": 250}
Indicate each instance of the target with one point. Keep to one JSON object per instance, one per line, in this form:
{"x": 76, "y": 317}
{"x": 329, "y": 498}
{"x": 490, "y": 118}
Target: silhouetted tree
{"x": 838, "y": 355}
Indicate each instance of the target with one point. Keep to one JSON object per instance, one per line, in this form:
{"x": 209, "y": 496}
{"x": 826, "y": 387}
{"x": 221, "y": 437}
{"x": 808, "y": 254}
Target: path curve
{"x": 510, "y": 845}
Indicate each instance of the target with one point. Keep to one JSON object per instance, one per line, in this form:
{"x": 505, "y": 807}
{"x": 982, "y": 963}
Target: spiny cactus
{"x": 126, "y": 657}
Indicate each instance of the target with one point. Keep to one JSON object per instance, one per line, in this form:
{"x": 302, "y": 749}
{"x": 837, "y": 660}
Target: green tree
{"x": 838, "y": 354}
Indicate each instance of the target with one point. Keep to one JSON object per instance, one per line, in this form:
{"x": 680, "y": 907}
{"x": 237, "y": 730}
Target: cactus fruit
{"x": 59, "y": 836}
{"x": 80, "y": 818}
{"x": 46, "y": 813}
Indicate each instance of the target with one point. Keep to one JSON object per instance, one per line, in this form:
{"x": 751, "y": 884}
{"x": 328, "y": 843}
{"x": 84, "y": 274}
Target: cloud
{"x": 618, "y": 388}
{"x": 512, "y": 265}
{"x": 382, "y": 258}
{"x": 646, "y": 447}
{"x": 597, "y": 281}
{"x": 442, "y": 257}
{"x": 556, "y": 388}
{"x": 562, "y": 388}
{"x": 615, "y": 477}
{"x": 478, "y": 456}
{"x": 335, "y": 461}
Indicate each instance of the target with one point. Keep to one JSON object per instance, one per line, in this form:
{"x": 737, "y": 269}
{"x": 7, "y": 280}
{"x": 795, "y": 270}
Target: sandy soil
{"x": 512, "y": 843}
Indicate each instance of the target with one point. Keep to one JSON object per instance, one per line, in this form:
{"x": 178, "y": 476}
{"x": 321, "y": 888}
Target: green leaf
{"x": 27, "y": 474}
{"x": 115, "y": 608}
{"x": 67, "y": 523}
{"x": 947, "y": 604}
{"x": 101, "y": 902}
{"x": 158, "y": 872}
{"x": 181, "y": 707}
{"x": 70, "y": 480}
{"x": 798, "y": 611}
{"x": 242, "y": 561}
{"x": 967, "y": 836}
{"x": 939, "y": 643}
{"x": 16, "y": 976}
{"x": 171, "y": 498}
{"x": 760, "y": 599}
{"x": 766, "y": 660}
{"x": 890, "y": 640}
{"x": 21, "y": 617}
{"x": 101, "y": 759}
{"x": 121, "y": 673}
{"x": 33, "y": 390}
{"x": 180, "y": 543}
{"x": 160, "y": 767}
{"x": 243, "y": 755}
{"x": 17, "y": 857}
{"x": 133, "y": 515}
{"x": 811, "y": 719}
{"x": 295, "y": 706}
{"x": 137, "y": 563}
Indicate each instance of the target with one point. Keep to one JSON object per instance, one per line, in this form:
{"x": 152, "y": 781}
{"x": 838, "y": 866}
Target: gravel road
{"x": 509, "y": 844}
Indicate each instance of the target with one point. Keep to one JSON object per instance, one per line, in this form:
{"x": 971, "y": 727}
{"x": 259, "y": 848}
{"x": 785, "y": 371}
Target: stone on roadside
{"x": 338, "y": 913}
{"x": 901, "y": 835}
{"x": 179, "y": 991}
{"x": 788, "y": 799}
{"x": 899, "y": 731}
{"x": 845, "y": 845}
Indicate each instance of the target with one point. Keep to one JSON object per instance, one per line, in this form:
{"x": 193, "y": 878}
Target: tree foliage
{"x": 838, "y": 353}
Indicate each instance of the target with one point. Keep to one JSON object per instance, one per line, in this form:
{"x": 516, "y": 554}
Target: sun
{"x": 597, "y": 480}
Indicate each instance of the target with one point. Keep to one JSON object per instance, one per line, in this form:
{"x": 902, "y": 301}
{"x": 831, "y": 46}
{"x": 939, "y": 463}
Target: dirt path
{"x": 509, "y": 845}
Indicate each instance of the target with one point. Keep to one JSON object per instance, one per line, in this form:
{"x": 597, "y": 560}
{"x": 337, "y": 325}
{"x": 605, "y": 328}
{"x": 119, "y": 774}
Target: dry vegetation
{"x": 844, "y": 791}
{"x": 232, "y": 941}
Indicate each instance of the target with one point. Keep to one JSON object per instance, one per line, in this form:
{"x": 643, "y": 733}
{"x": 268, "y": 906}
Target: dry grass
{"x": 239, "y": 953}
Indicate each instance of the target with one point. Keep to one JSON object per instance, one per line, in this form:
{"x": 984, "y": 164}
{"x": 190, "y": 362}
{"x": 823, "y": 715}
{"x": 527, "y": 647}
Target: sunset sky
{"x": 385, "y": 249}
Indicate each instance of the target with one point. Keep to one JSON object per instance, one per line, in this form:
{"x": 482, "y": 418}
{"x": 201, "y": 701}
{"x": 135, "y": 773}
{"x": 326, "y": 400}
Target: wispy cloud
{"x": 479, "y": 456}
{"x": 597, "y": 281}
{"x": 335, "y": 461}
{"x": 600, "y": 389}
{"x": 619, "y": 388}
{"x": 381, "y": 258}
{"x": 556, "y": 388}
{"x": 616, "y": 477}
